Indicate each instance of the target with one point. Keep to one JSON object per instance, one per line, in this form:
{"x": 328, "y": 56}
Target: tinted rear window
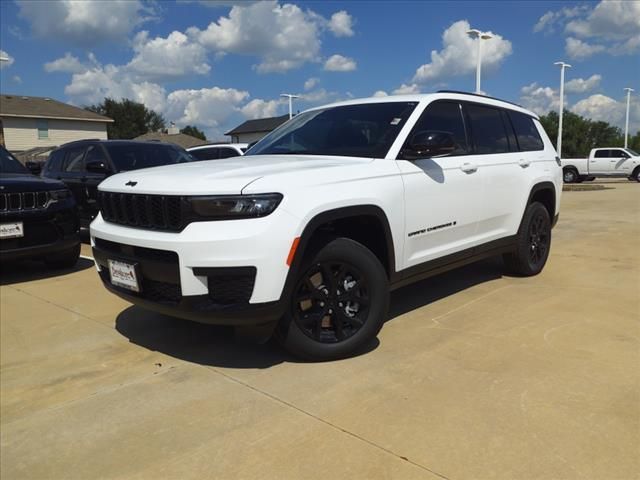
{"x": 205, "y": 153}
{"x": 135, "y": 156}
{"x": 487, "y": 129}
{"x": 526, "y": 132}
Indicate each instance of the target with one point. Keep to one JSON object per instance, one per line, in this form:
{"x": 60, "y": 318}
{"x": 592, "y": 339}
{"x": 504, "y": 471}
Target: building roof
{"x": 181, "y": 139}
{"x": 259, "y": 125}
{"x": 44, "y": 107}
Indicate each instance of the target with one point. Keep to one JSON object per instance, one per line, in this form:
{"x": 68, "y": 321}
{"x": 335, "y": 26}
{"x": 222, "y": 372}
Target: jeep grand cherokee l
{"x": 38, "y": 217}
{"x": 306, "y": 234}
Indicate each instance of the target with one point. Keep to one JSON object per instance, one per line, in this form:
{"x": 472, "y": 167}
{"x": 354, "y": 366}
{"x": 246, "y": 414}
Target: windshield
{"x": 632, "y": 153}
{"x": 10, "y": 164}
{"x": 365, "y": 130}
{"x": 133, "y": 156}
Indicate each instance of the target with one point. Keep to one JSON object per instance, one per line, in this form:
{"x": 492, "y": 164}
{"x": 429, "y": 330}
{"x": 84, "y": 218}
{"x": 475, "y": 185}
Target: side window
{"x": 55, "y": 161}
{"x": 73, "y": 160}
{"x": 528, "y": 137}
{"x": 487, "y": 129}
{"x": 511, "y": 134}
{"x": 205, "y": 153}
{"x": 618, "y": 154}
{"x": 95, "y": 154}
{"x": 227, "y": 152}
{"x": 443, "y": 117}
{"x": 602, "y": 154}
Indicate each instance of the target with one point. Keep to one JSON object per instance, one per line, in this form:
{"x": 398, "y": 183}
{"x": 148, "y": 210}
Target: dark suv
{"x": 84, "y": 164}
{"x": 38, "y": 216}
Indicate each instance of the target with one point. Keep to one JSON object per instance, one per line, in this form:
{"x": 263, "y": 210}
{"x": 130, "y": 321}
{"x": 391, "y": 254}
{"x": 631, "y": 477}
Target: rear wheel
{"x": 65, "y": 259}
{"x": 339, "y": 303}
{"x": 570, "y": 175}
{"x": 532, "y": 244}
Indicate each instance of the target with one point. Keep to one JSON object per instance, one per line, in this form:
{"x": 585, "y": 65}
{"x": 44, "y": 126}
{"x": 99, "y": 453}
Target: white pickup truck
{"x": 602, "y": 162}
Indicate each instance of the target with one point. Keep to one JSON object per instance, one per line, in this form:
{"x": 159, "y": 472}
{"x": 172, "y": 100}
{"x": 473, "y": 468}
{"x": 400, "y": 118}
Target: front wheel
{"x": 338, "y": 305}
{"x": 635, "y": 175}
{"x": 533, "y": 242}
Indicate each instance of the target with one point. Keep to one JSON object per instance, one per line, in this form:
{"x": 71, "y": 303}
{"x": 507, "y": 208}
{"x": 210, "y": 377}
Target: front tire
{"x": 338, "y": 305}
{"x": 635, "y": 176}
{"x": 533, "y": 242}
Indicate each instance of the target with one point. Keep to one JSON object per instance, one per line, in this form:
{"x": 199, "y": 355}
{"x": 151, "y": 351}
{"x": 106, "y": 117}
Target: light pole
{"x": 559, "y": 144}
{"x": 291, "y": 97}
{"x": 626, "y": 122}
{"x": 473, "y": 33}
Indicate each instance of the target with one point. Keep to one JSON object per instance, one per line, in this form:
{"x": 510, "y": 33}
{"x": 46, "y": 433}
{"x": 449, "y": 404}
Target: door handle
{"x": 524, "y": 163}
{"x": 468, "y": 167}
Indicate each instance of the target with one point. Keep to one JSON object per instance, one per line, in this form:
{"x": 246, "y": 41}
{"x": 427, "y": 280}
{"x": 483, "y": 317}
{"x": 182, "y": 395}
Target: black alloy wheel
{"x": 539, "y": 239}
{"x": 532, "y": 243}
{"x": 331, "y": 302}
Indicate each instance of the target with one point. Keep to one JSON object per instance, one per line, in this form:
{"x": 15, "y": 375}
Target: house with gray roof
{"x": 253, "y": 130}
{"x": 31, "y": 122}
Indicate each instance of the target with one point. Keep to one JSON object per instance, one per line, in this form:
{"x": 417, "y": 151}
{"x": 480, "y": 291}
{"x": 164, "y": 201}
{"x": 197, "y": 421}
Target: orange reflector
{"x": 292, "y": 252}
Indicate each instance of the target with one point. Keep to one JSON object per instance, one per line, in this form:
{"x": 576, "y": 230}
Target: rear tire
{"x": 533, "y": 242}
{"x": 570, "y": 175}
{"x": 65, "y": 259}
{"x": 338, "y": 305}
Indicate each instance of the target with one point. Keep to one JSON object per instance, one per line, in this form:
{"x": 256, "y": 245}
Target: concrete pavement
{"x": 475, "y": 375}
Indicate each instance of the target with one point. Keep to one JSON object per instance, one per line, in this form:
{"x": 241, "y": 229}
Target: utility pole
{"x": 473, "y": 33}
{"x": 626, "y": 122}
{"x": 290, "y": 97}
{"x": 559, "y": 144}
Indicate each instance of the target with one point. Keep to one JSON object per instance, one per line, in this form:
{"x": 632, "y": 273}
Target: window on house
{"x": 43, "y": 129}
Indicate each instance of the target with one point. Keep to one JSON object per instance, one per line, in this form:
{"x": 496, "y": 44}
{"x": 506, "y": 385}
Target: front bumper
{"x": 224, "y": 272}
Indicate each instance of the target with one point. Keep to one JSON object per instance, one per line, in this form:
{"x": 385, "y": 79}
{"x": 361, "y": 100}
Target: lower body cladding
{"x": 44, "y": 233}
{"x": 223, "y": 273}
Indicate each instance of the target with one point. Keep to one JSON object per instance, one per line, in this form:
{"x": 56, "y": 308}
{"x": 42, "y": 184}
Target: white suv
{"x": 306, "y": 234}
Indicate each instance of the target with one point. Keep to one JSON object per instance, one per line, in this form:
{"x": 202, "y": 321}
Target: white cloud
{"x": 607, "y": 109}
{"x": 406, "y": 89}
{"x": 69, "y": 63}
{"x": 283, "y": 36}
{"x": 258, "y": 108}
{"x": 548, "y": 22}
{"x": 540, "y": 100}
{"x": 458, "y": 57}
{"x": 579, "y": 50}
{"x": 339, "y": 63}
{"x": 210, "y": 107}
{"x": 610, "y": 19}
{"x": 86, "y": 22}
{"x": 311, "y": 83}
{"x": 380, "y": 93}
{"x": 167, "y": 58}
{"x": 580, "y": 85}
{"x": 7, "y": 60}
{"x": 341, "y": 24}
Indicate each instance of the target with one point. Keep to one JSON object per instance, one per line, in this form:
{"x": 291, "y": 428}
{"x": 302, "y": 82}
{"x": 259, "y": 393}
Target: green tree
{"x": 131, "y": 119}
{"x": 580, "y": 135}
{"x": 194, "y": 132}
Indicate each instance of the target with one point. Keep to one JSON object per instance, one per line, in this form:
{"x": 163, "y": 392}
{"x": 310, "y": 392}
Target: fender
{"x": 544, "y": 186}
{"x": 331, "y": 215}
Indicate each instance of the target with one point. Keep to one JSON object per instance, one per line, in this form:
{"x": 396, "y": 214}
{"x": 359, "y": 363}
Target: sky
{"x": 215, "y": 64}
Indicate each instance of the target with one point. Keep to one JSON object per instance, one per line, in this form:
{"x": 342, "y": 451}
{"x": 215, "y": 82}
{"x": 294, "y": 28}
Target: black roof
{"x": 259, "y": 125}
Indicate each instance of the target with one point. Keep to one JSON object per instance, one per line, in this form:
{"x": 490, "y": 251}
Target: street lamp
{"x": 473, "y": 33}
{"x": 291, "y": 97}
{"x": 626, "y": 122}
{"x": 559, "y": 144}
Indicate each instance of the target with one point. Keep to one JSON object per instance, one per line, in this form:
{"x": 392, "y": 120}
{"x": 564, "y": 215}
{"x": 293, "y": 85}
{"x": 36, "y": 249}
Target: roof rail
{"x": 479, "y": 95}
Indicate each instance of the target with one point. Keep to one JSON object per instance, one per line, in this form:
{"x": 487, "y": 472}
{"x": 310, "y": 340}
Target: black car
{"x": 84, "y": 164}
{"x": 38, "y": 216}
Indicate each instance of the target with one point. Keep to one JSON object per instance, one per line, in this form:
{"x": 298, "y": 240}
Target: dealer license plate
{"x": 11, "y": 230}
{"x": 123, "y": 275}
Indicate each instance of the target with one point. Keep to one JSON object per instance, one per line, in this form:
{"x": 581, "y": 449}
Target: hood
{"x": 229, "y": 176}
{"x": 25, "y": 182}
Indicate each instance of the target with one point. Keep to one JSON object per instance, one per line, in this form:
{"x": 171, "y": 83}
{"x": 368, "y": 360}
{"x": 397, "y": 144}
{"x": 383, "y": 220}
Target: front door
{"x": 620, "y": 163}
{"x": 442, "y": 194}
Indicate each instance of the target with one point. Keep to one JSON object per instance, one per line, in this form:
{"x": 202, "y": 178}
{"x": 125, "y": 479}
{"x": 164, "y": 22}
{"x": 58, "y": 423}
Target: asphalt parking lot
{"x": 475, "y": 375}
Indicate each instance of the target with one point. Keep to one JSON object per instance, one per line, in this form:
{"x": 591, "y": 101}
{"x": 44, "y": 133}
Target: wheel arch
{"x": 545, "y": 193}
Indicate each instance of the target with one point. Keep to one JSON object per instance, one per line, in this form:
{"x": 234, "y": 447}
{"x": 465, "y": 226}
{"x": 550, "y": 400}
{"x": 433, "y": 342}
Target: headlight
{"x": 57, "y": 195}
{"x": 230, "y": 207}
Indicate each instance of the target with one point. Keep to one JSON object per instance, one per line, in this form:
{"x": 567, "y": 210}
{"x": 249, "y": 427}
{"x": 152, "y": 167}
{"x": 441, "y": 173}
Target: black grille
{"x": 16, "y": 202}
{"x": 155, "y": 212}
{"x": 232, "y": 289}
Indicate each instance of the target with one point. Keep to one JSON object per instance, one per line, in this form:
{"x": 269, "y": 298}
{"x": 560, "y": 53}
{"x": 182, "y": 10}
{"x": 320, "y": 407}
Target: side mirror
{"x": 34, "y": 167}
{"x": 429, "y": 143}
{"x": 98, "y": 167}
